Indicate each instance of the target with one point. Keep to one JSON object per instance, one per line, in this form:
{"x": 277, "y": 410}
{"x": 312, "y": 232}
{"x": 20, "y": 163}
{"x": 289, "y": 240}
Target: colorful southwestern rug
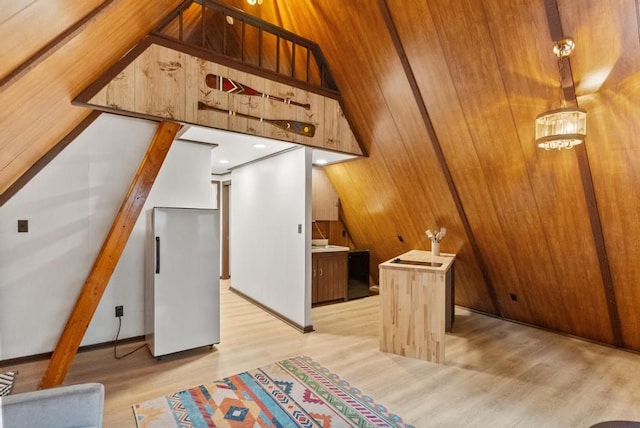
{"x": 296, "y": 392}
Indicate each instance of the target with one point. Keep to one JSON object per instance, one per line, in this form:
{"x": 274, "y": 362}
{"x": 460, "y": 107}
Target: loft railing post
{"x": 202, "y": 9}
{"x": 308, "y": 62}
{"x": 242, "y": 42}
{"x": 224, "y": 36}
{"x": 213, "y": 7}
{"x": 277, "y": 53}
{"x": 293, "y": 59}
{"x": 259, "y": 46}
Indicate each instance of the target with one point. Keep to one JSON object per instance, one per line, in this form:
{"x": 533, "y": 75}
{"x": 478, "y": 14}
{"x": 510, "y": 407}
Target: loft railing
{"x": 216, "y": 27}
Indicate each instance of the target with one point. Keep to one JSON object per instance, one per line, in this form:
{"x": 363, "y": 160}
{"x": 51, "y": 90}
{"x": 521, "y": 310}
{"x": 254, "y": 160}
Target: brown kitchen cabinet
{"x": 329, "y": 276}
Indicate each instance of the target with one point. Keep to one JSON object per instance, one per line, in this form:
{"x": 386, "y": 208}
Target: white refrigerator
{"x": 182, "y": 280}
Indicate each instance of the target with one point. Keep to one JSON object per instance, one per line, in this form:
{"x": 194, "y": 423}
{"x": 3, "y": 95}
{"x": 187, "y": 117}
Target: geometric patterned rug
{"x": 296, "y": 392}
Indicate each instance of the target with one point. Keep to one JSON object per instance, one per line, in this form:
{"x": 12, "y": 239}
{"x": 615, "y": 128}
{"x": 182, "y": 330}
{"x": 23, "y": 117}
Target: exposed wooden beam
{"x": 568, "y": 87}
{"x": 397, "y": 42}
{"x": 108, "y": 257}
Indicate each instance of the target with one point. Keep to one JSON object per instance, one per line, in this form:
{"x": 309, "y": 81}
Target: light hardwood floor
{"x": 497, "y": 373}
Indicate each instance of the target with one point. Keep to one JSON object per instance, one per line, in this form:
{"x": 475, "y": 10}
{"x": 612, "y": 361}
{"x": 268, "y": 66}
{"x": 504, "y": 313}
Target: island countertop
{"x": 421, "y": 260}
{"x": 328, "y": 249}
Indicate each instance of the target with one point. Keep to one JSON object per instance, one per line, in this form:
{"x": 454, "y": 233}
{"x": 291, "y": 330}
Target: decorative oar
{"x": 225, "y": 84}
{"x": 301, "y": 128}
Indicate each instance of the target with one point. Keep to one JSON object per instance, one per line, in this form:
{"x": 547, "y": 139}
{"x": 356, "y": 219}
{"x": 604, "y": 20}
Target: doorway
{"x": 226, "y": 194}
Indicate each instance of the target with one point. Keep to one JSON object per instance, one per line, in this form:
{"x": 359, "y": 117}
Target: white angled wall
{"x": 270, "y": 260}
{"x": 70, "y": 206}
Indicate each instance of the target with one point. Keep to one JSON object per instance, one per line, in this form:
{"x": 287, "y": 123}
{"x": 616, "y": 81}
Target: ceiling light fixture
{"x": 565, "y": 127}
{"x": 253, "y": 2}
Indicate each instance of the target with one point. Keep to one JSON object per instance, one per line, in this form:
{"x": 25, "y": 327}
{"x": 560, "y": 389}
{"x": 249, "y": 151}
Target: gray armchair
{"x": 79, "y": 405}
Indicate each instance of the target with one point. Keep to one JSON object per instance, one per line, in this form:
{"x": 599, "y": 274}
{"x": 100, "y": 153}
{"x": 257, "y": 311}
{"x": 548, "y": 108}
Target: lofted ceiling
{"x": 443, "y": 94}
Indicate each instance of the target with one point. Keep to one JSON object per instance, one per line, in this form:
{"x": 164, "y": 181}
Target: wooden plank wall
{"x": 161, "y": 81}
{"x": 35, "y": 17}
{"x": 36, "y": 109}
{"x": 485, "y": 70}
{"x": 607, "y": 86}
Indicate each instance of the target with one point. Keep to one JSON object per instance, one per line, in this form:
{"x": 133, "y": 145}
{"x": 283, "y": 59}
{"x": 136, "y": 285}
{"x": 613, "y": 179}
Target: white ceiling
{"x": 237, "y": 149}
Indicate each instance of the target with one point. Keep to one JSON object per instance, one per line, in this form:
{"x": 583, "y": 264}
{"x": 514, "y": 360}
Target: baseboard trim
{"x": 301, "y": 329}
{"x": 47, "y": 355}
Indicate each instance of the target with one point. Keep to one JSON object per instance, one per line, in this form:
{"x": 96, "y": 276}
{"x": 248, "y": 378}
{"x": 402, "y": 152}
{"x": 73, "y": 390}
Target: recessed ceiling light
{"x": 260, "y": 146}
{"x": 224, "y": 161}
{"x": 229, "y": 20}
{"x": 321, "y": 162}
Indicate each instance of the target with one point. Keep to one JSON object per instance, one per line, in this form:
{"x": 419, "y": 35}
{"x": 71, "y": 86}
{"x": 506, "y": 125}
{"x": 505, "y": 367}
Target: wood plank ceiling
{"x": 443, "y": 94}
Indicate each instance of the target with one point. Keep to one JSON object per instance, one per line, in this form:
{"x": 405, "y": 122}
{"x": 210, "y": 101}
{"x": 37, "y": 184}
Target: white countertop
{"x": 328, "y": 249}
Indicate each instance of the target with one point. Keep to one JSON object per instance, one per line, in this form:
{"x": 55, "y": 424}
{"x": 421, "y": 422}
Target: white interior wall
{"x": 270, "y": 260}
{"x": 70, "y": 206}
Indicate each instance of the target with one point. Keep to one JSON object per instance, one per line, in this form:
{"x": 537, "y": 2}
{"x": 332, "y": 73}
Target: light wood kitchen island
{"x": 416, "y": 304}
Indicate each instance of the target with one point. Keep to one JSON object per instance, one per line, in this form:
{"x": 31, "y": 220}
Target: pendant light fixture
{"x": 565, "y": 127}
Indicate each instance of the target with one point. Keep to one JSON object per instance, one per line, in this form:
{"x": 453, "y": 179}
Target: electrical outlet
{"x": 119, "y": 311}
{"x": 23, "y": 226}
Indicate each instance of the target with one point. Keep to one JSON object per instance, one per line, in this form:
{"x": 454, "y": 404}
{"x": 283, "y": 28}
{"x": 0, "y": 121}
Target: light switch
{"x": 23, "y": 225}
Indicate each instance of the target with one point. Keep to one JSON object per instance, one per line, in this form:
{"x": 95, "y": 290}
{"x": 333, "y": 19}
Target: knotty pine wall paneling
{"x": 169, "y": 83}
{"x": 241, "y": 104}
{"x": 206, "y": 94}
{"x": 314, "y": 114}
{"x": 159, "y": 79}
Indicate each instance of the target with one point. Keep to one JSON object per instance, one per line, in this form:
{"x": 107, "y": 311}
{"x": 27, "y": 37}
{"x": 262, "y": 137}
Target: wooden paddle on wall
{"x": 225, "y": 84}
{"x": 300, "y": 128}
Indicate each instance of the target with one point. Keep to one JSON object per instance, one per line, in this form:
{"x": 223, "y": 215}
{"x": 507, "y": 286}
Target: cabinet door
{"x": 331, "y": 274}
{"x": 314, "y": 280}
{"x": 324, "y": 199}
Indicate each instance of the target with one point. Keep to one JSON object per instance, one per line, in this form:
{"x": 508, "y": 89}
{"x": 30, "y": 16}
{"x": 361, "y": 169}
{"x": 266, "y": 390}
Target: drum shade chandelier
{"x": 565, "y": 127}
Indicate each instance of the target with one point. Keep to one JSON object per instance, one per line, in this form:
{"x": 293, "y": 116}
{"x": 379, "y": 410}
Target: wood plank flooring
{"x": 497, "y": 373}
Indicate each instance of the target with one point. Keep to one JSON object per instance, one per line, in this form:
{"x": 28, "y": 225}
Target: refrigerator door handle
{"x": 157, "y": 254}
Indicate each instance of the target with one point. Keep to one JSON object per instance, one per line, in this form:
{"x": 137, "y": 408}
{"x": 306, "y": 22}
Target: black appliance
{"x": 358, "y": 285}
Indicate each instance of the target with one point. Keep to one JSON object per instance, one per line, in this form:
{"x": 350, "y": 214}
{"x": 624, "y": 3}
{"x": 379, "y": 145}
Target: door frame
{"x": 225, "y": 272}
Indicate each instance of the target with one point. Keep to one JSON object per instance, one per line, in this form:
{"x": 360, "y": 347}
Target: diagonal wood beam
{"x": 568, "y": 87}
{"x": 109, "y": 255}
{"x": 413, "y": 82}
